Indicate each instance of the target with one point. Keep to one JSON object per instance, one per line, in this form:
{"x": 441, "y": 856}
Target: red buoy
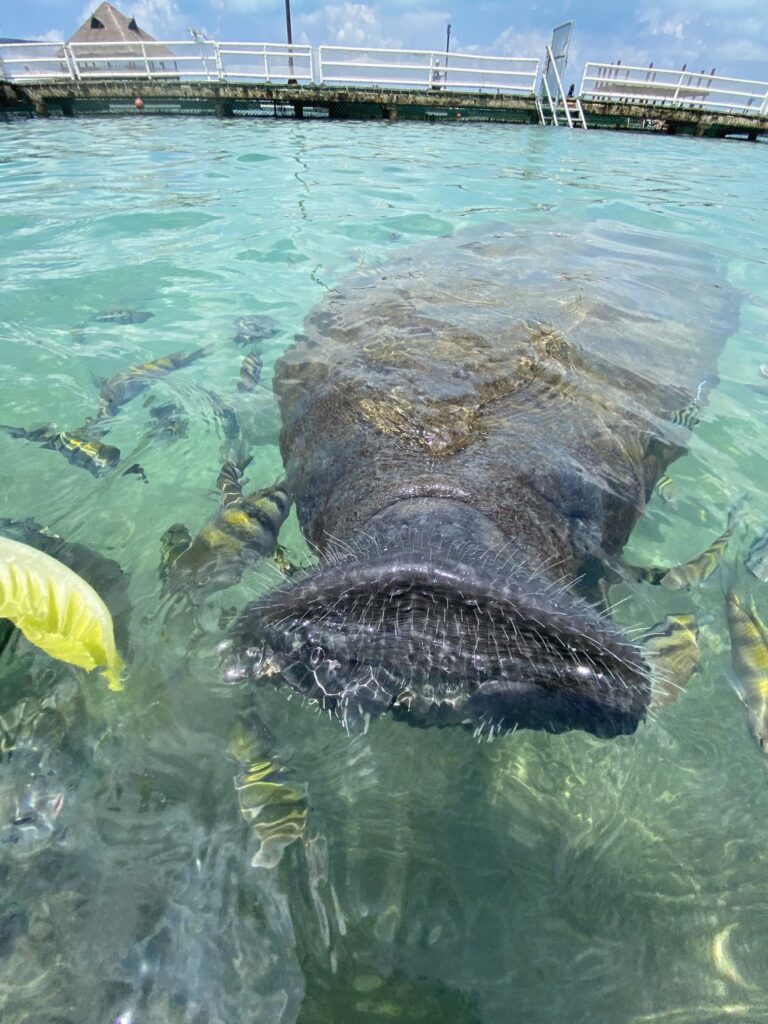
{"x": 138, "y": 103}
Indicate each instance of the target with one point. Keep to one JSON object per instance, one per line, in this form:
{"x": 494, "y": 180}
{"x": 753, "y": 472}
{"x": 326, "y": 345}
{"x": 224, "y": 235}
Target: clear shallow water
{"x": 438, "y": 878}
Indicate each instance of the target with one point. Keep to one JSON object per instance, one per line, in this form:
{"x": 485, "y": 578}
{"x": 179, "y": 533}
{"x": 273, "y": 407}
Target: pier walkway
{"x": 274, "y": 79}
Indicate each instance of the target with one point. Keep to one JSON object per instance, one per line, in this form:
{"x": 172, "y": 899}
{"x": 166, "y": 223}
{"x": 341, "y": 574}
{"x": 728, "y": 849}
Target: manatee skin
{"x": 466, "y": 431}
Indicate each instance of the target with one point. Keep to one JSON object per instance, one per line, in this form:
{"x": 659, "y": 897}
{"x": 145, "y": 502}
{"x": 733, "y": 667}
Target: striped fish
{"x": 121, "y": 388}
{"x": 693, "y": 573}
{"x": 674, "y": 644}
{"x": 757, "y": 557}
{"x": 173, "y": 543}
{"x": 749, "y": 657}
{"x": 242, "y": 530}
{"x": 77, "y": 447}
{"x": 230, "y": 481}
{"x": 275, "y": 810}
{"x": 688, "y": 416}
{"x": 250, "y": 372}
{"x": 666, "y": 488}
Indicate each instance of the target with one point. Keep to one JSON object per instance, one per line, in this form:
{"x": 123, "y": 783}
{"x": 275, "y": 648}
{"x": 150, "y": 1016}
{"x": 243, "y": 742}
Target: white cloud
{"x": 53, "y": 35}
{"x": 513, "y": 43}
{"x": 245, "y": 6}
{"x": 160, "y": 18}
{"x": 396, "y": 25}
{"x": 346, "y": 24}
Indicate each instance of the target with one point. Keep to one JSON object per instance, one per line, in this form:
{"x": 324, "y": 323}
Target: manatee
{"x": 469, "y": 434}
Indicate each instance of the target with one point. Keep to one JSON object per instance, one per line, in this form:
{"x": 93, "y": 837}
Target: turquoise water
{"x": 538, "y": 878}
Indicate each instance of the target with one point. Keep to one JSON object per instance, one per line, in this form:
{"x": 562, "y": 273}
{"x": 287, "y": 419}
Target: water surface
{"x": 537, "y": 877}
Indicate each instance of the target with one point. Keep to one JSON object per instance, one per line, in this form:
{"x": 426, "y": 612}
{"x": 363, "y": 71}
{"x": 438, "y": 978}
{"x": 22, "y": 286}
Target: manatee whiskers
{"x": 445, "y": 632}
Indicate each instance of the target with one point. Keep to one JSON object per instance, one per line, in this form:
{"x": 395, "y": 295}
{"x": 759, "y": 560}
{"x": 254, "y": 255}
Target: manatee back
{"x": 533, "y": 374}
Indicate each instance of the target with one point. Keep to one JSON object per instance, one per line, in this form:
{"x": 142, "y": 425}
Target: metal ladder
{"x": 569, "y": 108}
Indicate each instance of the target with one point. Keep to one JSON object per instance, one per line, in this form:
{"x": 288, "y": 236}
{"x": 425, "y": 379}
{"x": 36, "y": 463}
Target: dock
{"x": 276, "y": 80}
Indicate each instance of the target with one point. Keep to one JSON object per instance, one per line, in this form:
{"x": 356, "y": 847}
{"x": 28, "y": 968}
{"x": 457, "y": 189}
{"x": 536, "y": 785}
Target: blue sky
{"x": 732, "y": 37}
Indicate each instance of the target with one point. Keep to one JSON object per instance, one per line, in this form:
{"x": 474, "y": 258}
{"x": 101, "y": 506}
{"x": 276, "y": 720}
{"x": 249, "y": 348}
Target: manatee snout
{"x": 433, "y": 616}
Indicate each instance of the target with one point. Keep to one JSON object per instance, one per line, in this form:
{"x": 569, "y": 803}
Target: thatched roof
{"x": 108, "y": 25}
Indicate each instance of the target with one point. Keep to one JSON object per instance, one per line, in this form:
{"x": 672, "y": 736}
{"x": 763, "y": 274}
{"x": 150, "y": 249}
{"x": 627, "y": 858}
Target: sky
{"x": 730, "y": 36}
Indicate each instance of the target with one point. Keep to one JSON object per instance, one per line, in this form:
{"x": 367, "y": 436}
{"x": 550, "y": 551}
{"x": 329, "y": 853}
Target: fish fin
{"x": 738, "y": 510}
{"x": 136, "y": 470}
{"x": 738, "y": 688}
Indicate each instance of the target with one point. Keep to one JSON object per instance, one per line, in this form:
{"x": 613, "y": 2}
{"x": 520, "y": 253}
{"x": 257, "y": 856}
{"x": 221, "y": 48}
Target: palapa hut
{"x": 108, "y": 25}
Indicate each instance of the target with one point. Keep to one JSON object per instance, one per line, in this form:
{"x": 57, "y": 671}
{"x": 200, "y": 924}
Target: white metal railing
{"x": 427, "y": 69}
{"x": 674, "y": 88}
{"x": 204, "y": 60}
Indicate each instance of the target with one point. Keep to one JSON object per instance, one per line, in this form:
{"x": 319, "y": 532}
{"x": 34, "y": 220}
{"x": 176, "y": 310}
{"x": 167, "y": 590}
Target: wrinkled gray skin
{"x": 467, "y": 431}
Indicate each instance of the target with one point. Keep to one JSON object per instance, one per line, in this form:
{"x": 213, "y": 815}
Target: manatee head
{"x": 435, "y": 616}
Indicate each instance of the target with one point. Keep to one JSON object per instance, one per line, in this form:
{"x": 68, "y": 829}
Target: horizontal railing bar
{"x": 681, "y": 98}
{"x": 669, "y": 71}
{"x": 410, "y": 81}
{"x": 437, "y": 53}
{"x": 427, "y": 67}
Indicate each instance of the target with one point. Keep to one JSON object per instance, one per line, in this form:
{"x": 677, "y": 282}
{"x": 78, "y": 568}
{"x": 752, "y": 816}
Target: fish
{"x": 173, "y": 543}
{"x": 757, "y": 557}
{"x": 168, "y": 422}
{"x": 77, "y": 447}
{"x": 122, "y": 316}
{"x": 275, "y": 810}
{"x": 112, "y": 316}
{"x": 674, "y": 644}
{"x": 244, "y": 529}
{"x": 121, "y": 388}
{"x": 688, "y": 416}
{"x": 749, "y": 657}
{"x": 252, "y": 329}
{"x": 226, "y": 416}
{"x": 284, "y": 563}
{"x": 250, "y": 372}
{"x": 666, "y": 488}
{"x": 698, "y": 569}
{"x": 230, "y": 481}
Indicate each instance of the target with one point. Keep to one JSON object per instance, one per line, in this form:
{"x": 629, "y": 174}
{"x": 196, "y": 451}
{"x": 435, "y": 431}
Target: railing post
{"x": 764, "y": 107}
{"x": 266, "y": 64}
{"x": 69, "y": 48}
{"x": 219, "y": 66}
{"x": 3, "y": 76}
{"x": 146, "y": 62}
{"x": 311, "y": 65}
{"x": 68, "y": 58}
{"x": 679, "y": 87}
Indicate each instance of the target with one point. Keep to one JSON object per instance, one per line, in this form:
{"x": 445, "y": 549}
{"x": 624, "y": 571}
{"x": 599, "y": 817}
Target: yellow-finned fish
{"x": 76, "y": 447}
{"x": 749, "y": 657}
{"x": 693, "y": 573}
{"x": 246, "y": 527}
{"x": 674, "y": 644}
{"x": 126, "y": 385}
